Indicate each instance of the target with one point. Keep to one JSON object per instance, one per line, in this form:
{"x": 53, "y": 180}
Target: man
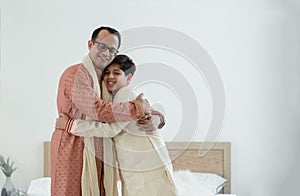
{"x": 79, "y": 97}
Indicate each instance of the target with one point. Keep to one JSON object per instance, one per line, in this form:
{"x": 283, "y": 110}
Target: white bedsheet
{"x": 227, "y": 194}
{"x": 41, "y": 187}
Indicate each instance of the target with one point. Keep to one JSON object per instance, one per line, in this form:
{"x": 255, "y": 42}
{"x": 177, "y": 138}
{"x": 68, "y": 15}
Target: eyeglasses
{"x": 103, "y": 47}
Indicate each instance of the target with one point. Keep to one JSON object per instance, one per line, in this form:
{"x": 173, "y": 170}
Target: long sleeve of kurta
{"x": 88, "y": 128}
{"x": 85, "y": 100}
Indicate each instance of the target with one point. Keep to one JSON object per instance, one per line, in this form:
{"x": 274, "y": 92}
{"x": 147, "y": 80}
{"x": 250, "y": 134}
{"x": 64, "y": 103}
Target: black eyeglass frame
{"x": 103, "y": 47}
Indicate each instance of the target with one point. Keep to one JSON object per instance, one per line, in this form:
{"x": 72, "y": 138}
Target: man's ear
{"x": 129, "y": 77}
{"x": 90, "y": 44}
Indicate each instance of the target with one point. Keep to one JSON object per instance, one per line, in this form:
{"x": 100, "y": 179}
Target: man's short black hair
{"x": 109, "y": 29}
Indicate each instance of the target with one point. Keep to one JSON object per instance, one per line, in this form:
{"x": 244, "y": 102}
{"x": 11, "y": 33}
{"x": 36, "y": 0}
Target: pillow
{"x": 211, "y": 182}
{"x": 40, "y": 187}
{"x": 188, "y": 185}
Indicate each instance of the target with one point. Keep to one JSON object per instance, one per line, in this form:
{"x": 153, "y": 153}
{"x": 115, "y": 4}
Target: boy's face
{"x": 114, "y": 78}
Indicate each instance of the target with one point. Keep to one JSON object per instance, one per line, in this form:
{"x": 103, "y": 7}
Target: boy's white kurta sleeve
{"x": 88, "y": 128}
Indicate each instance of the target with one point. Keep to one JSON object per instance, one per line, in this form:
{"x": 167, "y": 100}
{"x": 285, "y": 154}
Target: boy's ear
{"x": 129, "y": 77}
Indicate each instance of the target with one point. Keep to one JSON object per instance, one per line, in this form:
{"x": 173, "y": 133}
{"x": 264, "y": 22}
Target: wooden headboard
{"x": 215, "y": 158}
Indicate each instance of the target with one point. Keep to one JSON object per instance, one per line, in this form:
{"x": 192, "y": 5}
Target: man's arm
{"x": 87, "y": 102}
{"x": 162, "y": 121}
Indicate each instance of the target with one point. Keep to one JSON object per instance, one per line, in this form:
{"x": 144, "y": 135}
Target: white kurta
{"x": 143, "y": 160}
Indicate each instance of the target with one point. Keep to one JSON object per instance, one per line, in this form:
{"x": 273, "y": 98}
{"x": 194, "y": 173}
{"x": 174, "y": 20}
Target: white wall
{"x": 253, "y": 43}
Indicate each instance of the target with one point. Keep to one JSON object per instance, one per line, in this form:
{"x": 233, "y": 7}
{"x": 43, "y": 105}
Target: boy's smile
{"x": 115, "y": 78}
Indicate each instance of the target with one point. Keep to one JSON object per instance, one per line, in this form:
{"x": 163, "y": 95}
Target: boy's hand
{"x": 61, "y": 121}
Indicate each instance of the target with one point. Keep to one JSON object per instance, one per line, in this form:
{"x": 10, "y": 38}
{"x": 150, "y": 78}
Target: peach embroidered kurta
{"x": 77, "y": 98}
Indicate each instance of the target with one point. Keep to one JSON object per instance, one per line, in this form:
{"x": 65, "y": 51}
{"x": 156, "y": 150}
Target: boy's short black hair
{"x": 125, "y": 63}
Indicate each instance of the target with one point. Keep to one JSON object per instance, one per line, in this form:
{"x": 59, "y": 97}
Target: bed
{"x": 201, "y": 162}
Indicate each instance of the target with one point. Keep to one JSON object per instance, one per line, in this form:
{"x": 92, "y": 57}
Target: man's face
{"x": 114, "y": 78}
{"x": 101, "y": 58}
